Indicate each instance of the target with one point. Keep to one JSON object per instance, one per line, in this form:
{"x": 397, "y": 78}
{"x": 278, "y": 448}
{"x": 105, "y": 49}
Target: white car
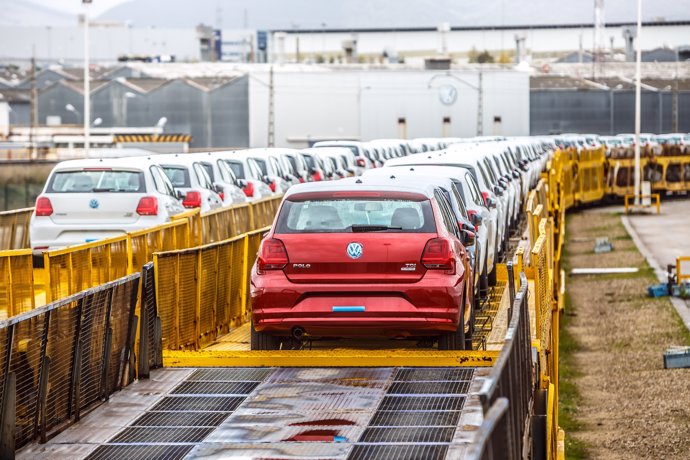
{"x": 273, "y": 170}
{"x": 223, "y": 178}
{"x": 363, "y": 158}
{"x": 189, "y": 177}
{"x": 88, "y": 200}
{"x": 246, "y": 171}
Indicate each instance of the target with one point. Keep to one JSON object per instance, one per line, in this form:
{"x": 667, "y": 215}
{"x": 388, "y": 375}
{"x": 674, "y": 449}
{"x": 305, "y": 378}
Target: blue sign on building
{"x": 261, "y": 40}
{"x": 218, "y": 38}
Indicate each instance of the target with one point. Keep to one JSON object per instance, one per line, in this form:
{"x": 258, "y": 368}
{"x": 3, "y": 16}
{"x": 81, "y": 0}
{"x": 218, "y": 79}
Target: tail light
{"x": 438, "y": 255}
{"x": 316, "y": 176}
{"x": 273, "y": 186}
{"x": 361, "y": 163}
{"x": 222, "y": 196}
{"x": 192, "y": 199}
{"x": 148, "y": 206}
{"x": 272, "y": 255}
{"x": 249, "y": 189}
{"x": 301, "y": 180}
{"x": 485, "y": 195}
{"x": 43, "y": 207}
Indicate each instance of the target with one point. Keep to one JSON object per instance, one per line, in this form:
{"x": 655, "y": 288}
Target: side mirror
{"x": 218, "y": 188}
{"x": 476, "y": 219}
{"x": 498, "y": 190}
{"x": 516, "y": 175}
{"x": 490, "y": 203}
{"x": 465, "y": 226}
{"x": 468, "y": 238}
{"x": 242, "y": 183}
{"x": 179, "y": 195}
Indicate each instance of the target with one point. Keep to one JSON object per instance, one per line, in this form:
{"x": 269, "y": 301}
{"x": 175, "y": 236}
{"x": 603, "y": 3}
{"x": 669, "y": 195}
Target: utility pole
{"x": 674, "y": 99}
{"x": 271, "y": 110}
{"x": 480, "y": 104}
{"x": 638, "y": 94}
{"x": 34, "y": 106}
{"x": 87, "y": 82}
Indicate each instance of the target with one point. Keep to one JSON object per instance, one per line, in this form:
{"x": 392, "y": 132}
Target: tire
{"x": 492, "y": 276}
{"x": 262, "y": 340}
{"x": 454, "y": 340}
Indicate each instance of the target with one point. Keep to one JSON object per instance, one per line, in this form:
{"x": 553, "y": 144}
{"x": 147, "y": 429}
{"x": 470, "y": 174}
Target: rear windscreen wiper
{"x": 358, "y": 228}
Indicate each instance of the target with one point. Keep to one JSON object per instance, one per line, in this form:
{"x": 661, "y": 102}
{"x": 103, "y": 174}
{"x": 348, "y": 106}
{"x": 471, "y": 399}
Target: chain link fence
{"x": 62, "y": 359}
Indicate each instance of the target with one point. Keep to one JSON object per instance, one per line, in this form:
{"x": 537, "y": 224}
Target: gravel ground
{"x": 630, "y": 407}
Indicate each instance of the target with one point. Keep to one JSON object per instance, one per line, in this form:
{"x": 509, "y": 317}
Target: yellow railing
{"x": 167, "y": 237}
{"x": 224, "y": 223}
{"x": 14, "y": 229}
{"x": 683, "y": 268}
{"x": 206, "y": 290}
{"x": 654, "y": 196}
{"x": 76, "y": 268}
{"x": 16, "y": 282}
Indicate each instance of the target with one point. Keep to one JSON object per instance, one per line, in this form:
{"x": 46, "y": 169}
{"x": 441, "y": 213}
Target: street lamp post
{"x": 638, "y": 93}
{"x": 71, "y": 108}
{"x": 87, "y": 82}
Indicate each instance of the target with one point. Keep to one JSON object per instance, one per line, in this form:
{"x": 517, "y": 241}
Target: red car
{"x": 354, "y": 258}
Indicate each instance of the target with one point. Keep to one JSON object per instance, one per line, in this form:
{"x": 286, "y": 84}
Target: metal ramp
{"x": 282, "y": 413}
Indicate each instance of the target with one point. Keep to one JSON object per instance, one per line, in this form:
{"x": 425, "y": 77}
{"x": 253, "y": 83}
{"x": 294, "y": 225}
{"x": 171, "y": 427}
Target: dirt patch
{"x": 619, "y": 403}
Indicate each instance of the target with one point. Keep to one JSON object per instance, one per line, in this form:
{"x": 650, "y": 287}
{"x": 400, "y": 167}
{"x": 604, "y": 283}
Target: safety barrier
{"x": 683, "y": 269}
{"x": 511, "y": 378}
{"x": 16, "y": 282}
{"x": 491, "y": 439}
{"x": 76, "y": 268}
{"x": 205, "y": 290}
{"x": 61, "y": 359}
{"x": 72, "y": 269}
{"x": 14, "y": 229}
{"x": 631, "y": 206}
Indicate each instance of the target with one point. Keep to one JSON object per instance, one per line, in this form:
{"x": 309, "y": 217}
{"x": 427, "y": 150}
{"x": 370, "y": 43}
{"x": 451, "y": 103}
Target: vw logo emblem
{"x": 93, "y": 204}
{"x": 354, "y": 250}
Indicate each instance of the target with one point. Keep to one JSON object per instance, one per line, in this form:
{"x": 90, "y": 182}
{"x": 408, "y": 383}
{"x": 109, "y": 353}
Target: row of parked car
{"x": 404, "y": 245}
{"x": 406, "y": 251}
{"x": 654, "y": 142}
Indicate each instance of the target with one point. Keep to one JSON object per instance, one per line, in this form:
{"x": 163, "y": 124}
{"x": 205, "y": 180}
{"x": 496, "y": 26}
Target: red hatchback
{"x": 354, "y": 258}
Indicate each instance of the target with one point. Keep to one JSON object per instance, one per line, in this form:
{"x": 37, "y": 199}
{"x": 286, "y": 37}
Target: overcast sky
{"x": 75, "y": 6}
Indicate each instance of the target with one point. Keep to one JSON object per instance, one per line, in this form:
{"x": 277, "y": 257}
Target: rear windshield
{"x": 354, "y": 215}
{"x": 97, "y": 180}
{"x": 178, "y": 175}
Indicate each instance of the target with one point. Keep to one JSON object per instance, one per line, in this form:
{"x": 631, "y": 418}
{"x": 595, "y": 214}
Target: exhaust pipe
{"x": 298, "y": 333}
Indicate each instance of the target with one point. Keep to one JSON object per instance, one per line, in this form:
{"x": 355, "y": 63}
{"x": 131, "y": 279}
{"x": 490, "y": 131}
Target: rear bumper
{"x": 348, "y": 310}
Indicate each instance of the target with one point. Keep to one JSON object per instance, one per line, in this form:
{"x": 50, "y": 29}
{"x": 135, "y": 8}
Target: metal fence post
{"x": 129, "y": 357}
{"x": 144, "y": 364}
{"x": 44, "y": 363}
{"x": 107, "y": 347}
{"x": 511, "y": 288}
{"x": 9, "y": 411}
{"x": 74, "y": 391}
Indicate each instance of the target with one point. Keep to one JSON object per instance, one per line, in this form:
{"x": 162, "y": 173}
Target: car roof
{"x": 399, "y": 174}
{"x": 184, "y": 159}
{"x": 419, "y": 169}
{"x": 125, "y": 162}
{"x": 374, "y": 184}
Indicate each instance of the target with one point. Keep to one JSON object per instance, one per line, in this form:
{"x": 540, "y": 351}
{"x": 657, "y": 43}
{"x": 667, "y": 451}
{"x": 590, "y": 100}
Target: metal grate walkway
{"x": 281, "y": 413}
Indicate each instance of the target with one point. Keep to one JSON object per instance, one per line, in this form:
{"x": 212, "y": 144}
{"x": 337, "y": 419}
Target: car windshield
{"x": 97, "y": 180}
{"x": 353, "y": 215}
{"x": 178, "y": 175}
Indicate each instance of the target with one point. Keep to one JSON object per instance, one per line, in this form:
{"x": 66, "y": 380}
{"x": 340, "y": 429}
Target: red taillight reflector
{"x": 361, "y": 163}
{"x": 148, "y": 206}
{"x": 301, "y": 180}
{"x": 272, "y": 255}
{"x": 43, "y": 207}
{"x": 316, "y": 176}
{"x": 437, "y": 255}
{"x": 222, "y": 196}
{"x": 273, "y": 185}
{"x": 192, "y": 199}
{"x": 249, "y": 189}
{"x": 485, "y": 195}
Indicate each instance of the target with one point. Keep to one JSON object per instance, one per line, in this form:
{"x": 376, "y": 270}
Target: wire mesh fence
{"x": 61, "y": 359}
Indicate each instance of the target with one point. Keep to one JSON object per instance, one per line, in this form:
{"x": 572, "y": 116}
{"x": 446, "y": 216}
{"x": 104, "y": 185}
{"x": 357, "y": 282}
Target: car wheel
{"x": 492, "y": 276}
{"x": 261, "y": 340}
{"x": 470, "y": 334}
{"x": 454, "y": 340}
{"x": 483, "y": 284}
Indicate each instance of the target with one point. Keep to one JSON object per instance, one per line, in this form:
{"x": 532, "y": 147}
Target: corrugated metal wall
{"x": 605, "y": 112}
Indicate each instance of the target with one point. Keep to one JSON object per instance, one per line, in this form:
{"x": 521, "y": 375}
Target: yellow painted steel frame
{"x": 75, "y": 268}
{"x": 329, "y": 358}
{"x": 14, "y": 229}
{"x": 629, "y": 207}
{"x": 17, "y": 279}
{"x": 680, "y": 274}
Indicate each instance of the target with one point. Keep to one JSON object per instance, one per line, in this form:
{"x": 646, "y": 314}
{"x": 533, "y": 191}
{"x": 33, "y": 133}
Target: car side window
{"x": 161, "y": 181}
{"x": 449, "y": 222}
{"x": 202, "y": 177}
{"x": 474, "y": 190}
{"x": 458, "y": 198}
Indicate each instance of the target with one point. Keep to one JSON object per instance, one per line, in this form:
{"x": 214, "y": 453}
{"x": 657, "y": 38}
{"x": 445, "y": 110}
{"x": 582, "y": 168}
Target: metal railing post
{"x": 74, "y": 390}
{"x": 107, "y": 347}
{"x": 41, "y": 397}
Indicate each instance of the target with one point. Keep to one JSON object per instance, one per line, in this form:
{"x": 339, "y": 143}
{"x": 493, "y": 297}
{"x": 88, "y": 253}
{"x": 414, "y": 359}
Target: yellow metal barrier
{"x": 264, "y": 211}
{"x": 683, "y": 268}
{"x": 14, "y": 229}
{"x": 76, "y": 268}
{"x": 221, "y": 224}
{"x": 193, "y": 216}
{"x": 167, "y": 237}
{"x": 206, "y": 290}
{"x": 16, "y": 282}
{"x": 631, "y": 206}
